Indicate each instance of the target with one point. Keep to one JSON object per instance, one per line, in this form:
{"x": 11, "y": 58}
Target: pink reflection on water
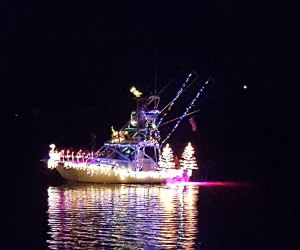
{"x": 211, "y": 184}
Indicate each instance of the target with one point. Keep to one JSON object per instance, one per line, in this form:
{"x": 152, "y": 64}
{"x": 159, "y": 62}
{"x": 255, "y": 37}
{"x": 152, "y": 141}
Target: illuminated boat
{"x": 132, "y": 155}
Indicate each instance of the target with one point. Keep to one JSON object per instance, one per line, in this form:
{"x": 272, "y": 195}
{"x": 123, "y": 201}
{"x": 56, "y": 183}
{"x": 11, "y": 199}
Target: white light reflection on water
{"x": 89, "y": 216}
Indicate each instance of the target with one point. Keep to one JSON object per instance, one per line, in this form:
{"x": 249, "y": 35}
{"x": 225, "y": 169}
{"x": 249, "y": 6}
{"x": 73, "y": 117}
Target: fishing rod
{"x": 179, "y": 93}
{"x": 186, "y": 111}
{"x": 180, "y": 117}
{"x": 171, "y": 81}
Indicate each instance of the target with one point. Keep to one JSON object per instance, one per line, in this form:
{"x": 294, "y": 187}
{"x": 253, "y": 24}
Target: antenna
{"x": 155, "y": 83}
{"x": 155, "y": 74}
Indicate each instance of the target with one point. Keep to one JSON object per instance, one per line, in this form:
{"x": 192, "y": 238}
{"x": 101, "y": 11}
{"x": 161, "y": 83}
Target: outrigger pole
{"x": 180, "y": 117}
{"x": 179, "y": 93}
{"x": 186, "y": 111}
{"x": 170, "y": 82}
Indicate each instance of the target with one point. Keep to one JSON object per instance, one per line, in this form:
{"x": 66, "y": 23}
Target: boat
{"x": 131, "y": 155}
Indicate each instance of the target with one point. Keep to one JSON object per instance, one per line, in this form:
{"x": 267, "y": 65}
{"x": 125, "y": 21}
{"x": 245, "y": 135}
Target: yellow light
{"x": 137, "y": 93}
{"x": 134, "y": 91}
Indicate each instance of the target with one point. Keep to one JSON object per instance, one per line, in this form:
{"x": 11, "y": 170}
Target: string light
{"x": 166, "y": 158}
{"x": 186, "y": 111}
{"x": 188, "y": 160}
{"x": 175, "y": 98}
{"x": 115, "y": 170}
{"x": 83, "y": 161}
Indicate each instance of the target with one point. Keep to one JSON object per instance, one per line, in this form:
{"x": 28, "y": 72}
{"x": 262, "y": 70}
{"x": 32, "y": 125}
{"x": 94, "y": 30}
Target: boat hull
{"x": 110, "y": 176}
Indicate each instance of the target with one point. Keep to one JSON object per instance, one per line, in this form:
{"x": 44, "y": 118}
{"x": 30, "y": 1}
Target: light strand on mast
{"x": 186, "y": 111}
{"x": 193, "y": 112}
{"x": 170, "y": 104}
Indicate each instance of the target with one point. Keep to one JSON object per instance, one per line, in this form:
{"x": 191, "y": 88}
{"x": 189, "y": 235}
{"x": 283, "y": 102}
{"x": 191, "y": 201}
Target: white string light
{"x": 186, "y": 112}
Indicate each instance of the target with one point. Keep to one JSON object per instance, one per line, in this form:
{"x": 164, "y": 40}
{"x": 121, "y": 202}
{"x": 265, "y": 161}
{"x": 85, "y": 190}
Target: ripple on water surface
{"x": 90, "y": 216}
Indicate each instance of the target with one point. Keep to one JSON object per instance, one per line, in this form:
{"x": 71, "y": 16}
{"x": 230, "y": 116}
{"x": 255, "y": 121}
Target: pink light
{"x": 211, "y": 184}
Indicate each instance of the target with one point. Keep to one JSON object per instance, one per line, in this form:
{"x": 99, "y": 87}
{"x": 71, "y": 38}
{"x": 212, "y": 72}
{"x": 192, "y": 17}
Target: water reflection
{"x": 98, "y": 216}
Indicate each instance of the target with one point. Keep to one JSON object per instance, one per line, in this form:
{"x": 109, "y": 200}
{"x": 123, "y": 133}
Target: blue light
{"x": 184, "y": 114}
{"x": 175, "y": 98}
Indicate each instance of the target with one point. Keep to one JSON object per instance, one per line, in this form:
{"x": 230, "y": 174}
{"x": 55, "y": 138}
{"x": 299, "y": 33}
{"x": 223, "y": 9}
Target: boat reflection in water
{"x": 93, "y": 216}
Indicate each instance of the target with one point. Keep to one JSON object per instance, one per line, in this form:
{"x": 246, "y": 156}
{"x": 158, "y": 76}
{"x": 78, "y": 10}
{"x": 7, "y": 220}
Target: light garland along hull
{"x": 112, "y": 176}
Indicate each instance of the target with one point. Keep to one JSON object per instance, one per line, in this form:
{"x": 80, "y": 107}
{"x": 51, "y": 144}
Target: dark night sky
{"x": 66, "y": 68}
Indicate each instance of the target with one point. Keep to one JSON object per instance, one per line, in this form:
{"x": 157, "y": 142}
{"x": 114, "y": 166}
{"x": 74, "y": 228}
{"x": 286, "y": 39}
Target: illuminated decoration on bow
{"x": 166, "y": 158}
{"x": 54, "y": 157}
{"x": 134, "y": 91}
{"x": 80, "y": 157}
{"x": 188, "y": 160}
{"x": 186, "y": 111}
{"x": 52, "y": 146}
{"x": 170, "y": 105}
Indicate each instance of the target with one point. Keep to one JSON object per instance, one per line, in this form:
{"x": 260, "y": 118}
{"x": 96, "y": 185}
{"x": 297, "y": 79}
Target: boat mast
{"x": 138, "y": 117}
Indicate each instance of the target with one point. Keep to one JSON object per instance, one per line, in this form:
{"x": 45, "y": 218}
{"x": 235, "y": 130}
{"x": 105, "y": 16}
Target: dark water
{"x": 60, "y": 215}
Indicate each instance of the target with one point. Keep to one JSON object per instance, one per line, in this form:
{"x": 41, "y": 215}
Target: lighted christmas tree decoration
{"x": 167, "y": 158}
{"x": 188, "y": 160}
